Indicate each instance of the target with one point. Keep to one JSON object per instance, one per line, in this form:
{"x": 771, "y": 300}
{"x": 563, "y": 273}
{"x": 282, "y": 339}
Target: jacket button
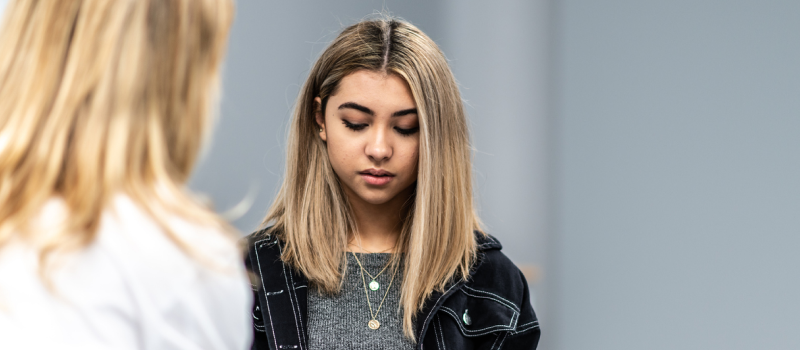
{"x": 466, "y": 318}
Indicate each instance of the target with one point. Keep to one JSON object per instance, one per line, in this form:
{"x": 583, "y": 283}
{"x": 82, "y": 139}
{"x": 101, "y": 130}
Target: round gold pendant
{"x": 374, "y": 324}
{"x": 374, "y": 285}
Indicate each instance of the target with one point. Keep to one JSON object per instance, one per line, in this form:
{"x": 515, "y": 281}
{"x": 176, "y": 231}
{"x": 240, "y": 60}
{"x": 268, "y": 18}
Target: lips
{"x": 376, "y": 177}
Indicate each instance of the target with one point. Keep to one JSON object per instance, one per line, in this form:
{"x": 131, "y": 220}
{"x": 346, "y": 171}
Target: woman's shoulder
{"x": 495, "y": 298}
{"x": 177, "y": 270}
{"x": 269, "y": 274}
{"x": 172, "y": 238}
{"x": 262, "y": 235}
{"x": 165, "y": 255}
{"x": 264, "y": 240}
{"x": 169, "y": 261}
{"x": 134, "y": 269}
{"x": 264, "y": 248}
{"x": 494, "y": 302}
{"x": 495, "y": 275}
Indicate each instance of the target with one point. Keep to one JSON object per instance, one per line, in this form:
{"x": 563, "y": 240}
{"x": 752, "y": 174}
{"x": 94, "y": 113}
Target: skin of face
{"x": 371, "y": 128}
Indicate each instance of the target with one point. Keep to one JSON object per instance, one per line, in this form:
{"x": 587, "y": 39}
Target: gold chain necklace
{"x": 373, "y": 284}
{"x": 373, "y": 322}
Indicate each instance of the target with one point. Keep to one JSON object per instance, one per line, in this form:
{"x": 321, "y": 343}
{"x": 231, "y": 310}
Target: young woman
{"x": 103, "y": 108}
{"x": 374, "y": 242}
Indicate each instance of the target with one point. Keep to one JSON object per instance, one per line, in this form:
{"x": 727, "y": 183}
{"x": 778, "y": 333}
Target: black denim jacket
{"x": 491, "y": 310}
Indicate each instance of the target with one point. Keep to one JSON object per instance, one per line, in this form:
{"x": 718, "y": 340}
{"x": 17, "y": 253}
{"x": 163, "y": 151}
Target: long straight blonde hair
{"x": 311, "y": 212}
{"x": 100, "y": 97}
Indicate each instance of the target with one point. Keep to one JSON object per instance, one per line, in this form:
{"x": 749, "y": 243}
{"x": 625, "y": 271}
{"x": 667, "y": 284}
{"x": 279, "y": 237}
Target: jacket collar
{"x": 486, "y": 242}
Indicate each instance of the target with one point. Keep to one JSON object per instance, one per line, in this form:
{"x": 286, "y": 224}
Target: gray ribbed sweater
{"x": 340, "y": 321}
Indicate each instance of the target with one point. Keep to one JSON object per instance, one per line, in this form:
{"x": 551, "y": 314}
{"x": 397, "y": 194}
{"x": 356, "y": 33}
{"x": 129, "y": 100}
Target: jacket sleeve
{"x": 526, "y": 335}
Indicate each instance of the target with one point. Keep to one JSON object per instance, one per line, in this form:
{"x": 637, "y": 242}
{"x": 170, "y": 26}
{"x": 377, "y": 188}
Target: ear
{"x": 320, "y": 118}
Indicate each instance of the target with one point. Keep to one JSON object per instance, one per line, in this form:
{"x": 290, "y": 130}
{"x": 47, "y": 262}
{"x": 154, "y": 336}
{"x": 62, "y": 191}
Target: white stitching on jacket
{"x": 529, "y": 325}
{"x": 258, "y": 261}
{"x": 495, "y": 341}
{"x": 469, "y": 332}
{"x": 429, "y": 314}
{"x": 504, "y": 336}
{"x": 441, "y": 331}
{"x": 286, "y": 276}
{"x": 514, "y": 319}
{"x": 300, "y": 317}
{"x": 501, "y": 301}
{"x": 436, "y": 331}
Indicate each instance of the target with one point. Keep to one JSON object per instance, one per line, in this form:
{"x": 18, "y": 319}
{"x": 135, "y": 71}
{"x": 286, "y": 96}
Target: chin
{"x": 375, "y": 196}
{"x": 375, "y": 199}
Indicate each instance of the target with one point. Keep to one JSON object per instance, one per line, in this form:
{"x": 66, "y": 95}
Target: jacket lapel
{"x": 284, "y": 296}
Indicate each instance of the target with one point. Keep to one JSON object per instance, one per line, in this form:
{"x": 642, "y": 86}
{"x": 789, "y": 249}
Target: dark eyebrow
{"x": 404, "y": 112}
{"x": 366, "y": 110}
{"x": 358, "y": 107}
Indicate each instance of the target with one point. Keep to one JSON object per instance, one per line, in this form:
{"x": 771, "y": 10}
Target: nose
{"x": 378, "y": 147}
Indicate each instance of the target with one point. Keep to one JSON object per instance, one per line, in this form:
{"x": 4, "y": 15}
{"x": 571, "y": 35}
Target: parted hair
{"x": 311, "y": 212}
{"x": 101, "y": 97}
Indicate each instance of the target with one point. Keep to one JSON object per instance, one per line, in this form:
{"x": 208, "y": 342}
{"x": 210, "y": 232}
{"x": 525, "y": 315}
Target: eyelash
{"x": 359, "y": 127}
{"x": 407, "y": 132}
{"x": 354, "y": 127}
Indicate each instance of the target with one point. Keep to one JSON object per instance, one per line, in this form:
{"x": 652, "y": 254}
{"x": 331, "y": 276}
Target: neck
{"x": 379, "y": 225}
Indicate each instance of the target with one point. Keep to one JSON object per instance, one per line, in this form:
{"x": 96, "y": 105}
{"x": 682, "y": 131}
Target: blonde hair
{"x": 311, "y": 212}
{"x": 100, "y": 97}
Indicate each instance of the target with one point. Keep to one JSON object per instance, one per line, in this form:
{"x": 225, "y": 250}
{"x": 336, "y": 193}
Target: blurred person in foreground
{"x": 104, "y": 106}
{"x": 374, "y": 242}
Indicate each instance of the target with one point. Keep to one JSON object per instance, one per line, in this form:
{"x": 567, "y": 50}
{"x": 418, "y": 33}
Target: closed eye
{"x": 407, "y": 132}
{"x": 354, "y": 127}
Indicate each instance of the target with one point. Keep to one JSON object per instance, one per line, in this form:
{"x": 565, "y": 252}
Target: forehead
{"x": 380, "y": 88}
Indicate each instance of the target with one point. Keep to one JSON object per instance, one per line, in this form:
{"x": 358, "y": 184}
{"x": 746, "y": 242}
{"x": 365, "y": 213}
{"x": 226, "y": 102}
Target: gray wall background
{"x": 643, "y": 153}
{"x": 677, "y": 175}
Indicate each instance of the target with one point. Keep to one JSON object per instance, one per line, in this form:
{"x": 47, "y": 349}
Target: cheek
{"x": 410, "y": 156}
{"x": 341, "y": 153}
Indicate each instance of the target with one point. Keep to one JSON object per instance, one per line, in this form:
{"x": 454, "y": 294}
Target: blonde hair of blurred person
{"x": 104, "y": 106}
{"x": 313, "y": 216}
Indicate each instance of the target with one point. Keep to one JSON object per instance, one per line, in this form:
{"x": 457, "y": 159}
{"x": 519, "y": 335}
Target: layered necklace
{"x": 373, "y": 322}
{"x": 373, "y": 285}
